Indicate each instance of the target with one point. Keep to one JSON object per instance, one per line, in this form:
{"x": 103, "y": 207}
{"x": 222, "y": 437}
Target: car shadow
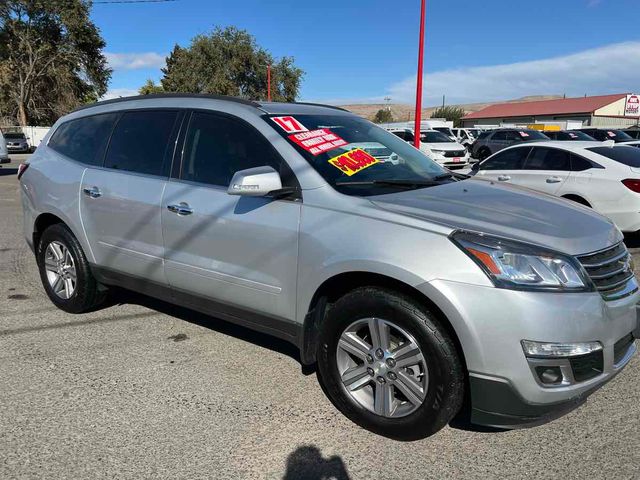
{"x": 307, "y": 463}
{"x": 632, "y": 240}
{"x": 8, "y": 171}
{"x": 120, "y": 296}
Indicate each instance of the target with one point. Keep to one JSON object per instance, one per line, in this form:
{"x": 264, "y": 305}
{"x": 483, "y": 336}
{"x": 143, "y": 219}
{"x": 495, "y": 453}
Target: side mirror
{"x": 475, "y": 167}
{"x": 255, "y": 182}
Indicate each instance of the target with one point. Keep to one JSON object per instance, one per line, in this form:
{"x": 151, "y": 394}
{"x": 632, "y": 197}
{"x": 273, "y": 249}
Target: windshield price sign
{"x": 289, "y": 124}
{"x": 353, "y": 161}
{"x": 318, "y": 141}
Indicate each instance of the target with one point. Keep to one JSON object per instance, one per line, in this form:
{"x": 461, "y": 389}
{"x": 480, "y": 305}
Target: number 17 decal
{"x": 290, "y": 124}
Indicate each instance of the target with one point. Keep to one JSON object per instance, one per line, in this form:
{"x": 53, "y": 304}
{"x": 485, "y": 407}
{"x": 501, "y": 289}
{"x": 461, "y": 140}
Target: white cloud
{"x": 135, "y": 61}
{"x": 119, "y": 92}
{"x": 610, "y": 69}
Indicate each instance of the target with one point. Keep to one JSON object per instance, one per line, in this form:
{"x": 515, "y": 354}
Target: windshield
{"x": 532, "y": 135}
{"x": 14, "y": 136}
{"x": 357, "y": 157}
{"x": 434, "y": 137}
{"x": 575, "y": 135}
{"x": 624, "y": 154}
{"x": 445, "y": 130}
{"x": 617, "y": 135}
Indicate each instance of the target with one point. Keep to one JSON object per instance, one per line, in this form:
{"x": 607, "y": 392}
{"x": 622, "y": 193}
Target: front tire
{"x": 65, "y": 272}
{"x": 388, "y": 364}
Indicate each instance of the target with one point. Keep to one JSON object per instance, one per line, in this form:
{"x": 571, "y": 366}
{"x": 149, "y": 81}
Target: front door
{"x": 120, "y": 203}
{"x": 234, "y": 251}
{"x": 546, "y": 169}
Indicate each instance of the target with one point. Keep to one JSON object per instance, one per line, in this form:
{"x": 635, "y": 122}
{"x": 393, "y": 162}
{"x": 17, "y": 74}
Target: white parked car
{"x": 466, "y": 136}
{"x": 437, "y": 146}
{"x": 601, "y": 175}
{"x": 4, "y": 154}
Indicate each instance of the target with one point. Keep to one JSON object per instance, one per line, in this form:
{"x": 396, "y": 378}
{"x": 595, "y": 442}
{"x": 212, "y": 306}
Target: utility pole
{"x": 416, "y": 130}
{"x": 268, "y": 82}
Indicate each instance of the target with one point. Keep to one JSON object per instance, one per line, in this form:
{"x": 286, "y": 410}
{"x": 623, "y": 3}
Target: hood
{"x": 507, "y": 211}
{"x": 447, "y": 146}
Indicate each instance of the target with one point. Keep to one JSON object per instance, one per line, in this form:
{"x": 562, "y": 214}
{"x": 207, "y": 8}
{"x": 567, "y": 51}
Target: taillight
{"x": 632, "y": 184}
{"x": 21, "y": 169}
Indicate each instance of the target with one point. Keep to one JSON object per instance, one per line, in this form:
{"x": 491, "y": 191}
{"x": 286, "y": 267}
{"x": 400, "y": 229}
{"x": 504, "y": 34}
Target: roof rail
{"x": 321, "y": 105}
{"x": 170, "y": 95}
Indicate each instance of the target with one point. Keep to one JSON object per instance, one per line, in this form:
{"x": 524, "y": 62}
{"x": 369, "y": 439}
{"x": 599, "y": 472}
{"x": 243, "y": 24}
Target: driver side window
{"x": 512, "y": 159}
{"x": 217, "y": 146}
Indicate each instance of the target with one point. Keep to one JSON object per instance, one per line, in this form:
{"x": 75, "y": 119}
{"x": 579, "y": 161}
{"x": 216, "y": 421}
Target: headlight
{"x": 520, "y": 266}
{"x": 439, "y": 152}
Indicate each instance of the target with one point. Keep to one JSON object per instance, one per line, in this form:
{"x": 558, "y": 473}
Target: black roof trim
{"x": 170, "y": 95}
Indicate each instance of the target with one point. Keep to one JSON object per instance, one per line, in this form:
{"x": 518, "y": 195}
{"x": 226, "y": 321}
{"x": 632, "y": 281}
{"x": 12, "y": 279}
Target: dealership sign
{"x": 632, "y": 107}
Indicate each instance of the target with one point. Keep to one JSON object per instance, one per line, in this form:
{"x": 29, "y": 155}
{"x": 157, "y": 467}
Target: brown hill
{"x": 403, "y": 112}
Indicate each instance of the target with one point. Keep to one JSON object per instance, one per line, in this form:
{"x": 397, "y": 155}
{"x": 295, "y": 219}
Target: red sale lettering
{"x": 317, "y": 141}
{"x": 353, "y": 161}
{"x": 290, "y": 124}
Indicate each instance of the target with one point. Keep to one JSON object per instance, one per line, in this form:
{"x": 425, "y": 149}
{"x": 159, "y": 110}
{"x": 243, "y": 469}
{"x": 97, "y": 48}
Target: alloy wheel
{"x": 382, "y": 367}
{"x": 60, "y": 269}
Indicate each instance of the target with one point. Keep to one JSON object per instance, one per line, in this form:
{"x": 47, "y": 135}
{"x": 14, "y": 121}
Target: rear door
{"x": 237, "y": 252}
{"x": 505, "y": 166}
{"x": 546, "y": 169}
{"x": 121, "y": 201}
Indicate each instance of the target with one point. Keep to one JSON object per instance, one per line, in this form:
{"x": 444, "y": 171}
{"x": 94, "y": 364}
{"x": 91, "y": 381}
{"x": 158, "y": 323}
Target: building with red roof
{"x": 619, "y": 110}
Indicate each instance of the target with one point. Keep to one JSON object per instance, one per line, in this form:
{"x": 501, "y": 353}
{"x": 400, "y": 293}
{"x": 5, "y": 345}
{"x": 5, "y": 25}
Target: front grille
{"x": 621, "y": 348}
{"x": 610, "y": 270}
{"x": 587, "y": 366}
{"x": 454, "y": 153}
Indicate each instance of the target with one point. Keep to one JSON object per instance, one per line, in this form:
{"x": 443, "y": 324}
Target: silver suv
{"x": 420, "y": 294}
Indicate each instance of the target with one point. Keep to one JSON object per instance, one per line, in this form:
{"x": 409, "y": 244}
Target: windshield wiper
{"x": 390, "y": 182}
{"x": 457, "y": 176}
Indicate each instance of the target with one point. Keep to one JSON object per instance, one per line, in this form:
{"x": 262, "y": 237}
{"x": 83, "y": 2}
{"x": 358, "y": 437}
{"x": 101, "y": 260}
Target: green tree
{"x": 229, "y": 62}
{"x": 450, "y": 113}
{"x": 51, "y": 59}
{"x": 150, "y": 87}
{"x": 383, "y": 116}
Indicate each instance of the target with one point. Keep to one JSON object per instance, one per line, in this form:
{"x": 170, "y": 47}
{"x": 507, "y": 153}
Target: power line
{"x": 133, "y": 1}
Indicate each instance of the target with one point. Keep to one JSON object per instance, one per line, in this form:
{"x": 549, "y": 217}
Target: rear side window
{"x": 580, "y": 164}
{"x": 500, "y": 136}
{"x": 142, "y": 141}
{"x": 511, "y": 159}
{"x": 548, "y": 159}
{"x": 484, "y": 134}
{"x": 218, "y": 146}
{"x": 84, "y": 139}
{"x": 624, "y": 154}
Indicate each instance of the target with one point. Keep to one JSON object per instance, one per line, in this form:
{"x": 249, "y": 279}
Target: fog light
{"x": 549, "y": 375}
{"x": 558, "y": 350}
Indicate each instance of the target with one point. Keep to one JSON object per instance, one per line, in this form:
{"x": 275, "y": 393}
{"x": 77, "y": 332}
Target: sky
{"x": 361, "y": 51}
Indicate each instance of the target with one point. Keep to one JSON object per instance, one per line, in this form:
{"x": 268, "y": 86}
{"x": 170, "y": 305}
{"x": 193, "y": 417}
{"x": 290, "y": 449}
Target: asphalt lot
{"x": 143, "y": 389}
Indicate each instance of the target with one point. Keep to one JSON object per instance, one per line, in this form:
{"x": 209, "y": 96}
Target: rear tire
{"x": 65, "y": 272}
{"x": 418, "y": 397}
{"x": 483, "y": 153}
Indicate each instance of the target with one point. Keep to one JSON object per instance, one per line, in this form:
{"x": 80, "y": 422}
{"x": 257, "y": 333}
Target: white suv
{"x": 438, "y": 146}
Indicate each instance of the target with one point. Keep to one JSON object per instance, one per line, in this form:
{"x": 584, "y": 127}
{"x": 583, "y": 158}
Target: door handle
{"x": 554, "y": 180}
{"x": 93, "y": 192}
{"x": 504, "y": 178}
{"x": 181, "y": 209}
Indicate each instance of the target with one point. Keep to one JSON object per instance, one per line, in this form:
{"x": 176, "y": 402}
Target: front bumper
{"x": 491, "y": 322}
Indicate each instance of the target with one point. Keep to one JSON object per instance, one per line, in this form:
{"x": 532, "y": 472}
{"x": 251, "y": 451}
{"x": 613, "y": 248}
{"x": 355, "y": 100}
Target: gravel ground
{"x": 142, "y": 389}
